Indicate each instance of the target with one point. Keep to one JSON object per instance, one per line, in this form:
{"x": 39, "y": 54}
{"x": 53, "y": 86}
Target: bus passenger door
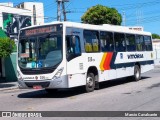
{"x": 73, "y": 50}
{"x": 72, "y": 47}
{"x": 75, "y": 65}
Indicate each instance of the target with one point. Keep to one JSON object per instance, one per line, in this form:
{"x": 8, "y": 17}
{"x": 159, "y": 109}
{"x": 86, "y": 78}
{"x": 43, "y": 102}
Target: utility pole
{"x": 34, "y": 15}
{"x": 58, "y": 10}
{"x": 64, "y": 11}
{"x": 139, "y": 14}
{"x": 59, "y": 2}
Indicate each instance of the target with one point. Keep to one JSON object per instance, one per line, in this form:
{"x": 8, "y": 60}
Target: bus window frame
{"x": 143, "y": 43}
{"x": 150, "y": 43}
{"x": 98, "y": 38}
{"x": 112, "y": 41}
{"x": 134, "y": 42}
{"x": 72, "y": 55}
{"x": 124, "y": 41}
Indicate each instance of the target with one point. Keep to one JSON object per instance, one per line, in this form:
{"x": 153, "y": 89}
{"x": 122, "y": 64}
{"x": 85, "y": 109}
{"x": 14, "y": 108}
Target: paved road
{"x": 115, "y": 95}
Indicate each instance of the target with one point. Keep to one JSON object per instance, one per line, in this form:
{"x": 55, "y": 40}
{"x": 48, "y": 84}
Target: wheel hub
{"x": 90, "y": 81}
{"x": 137, "y": 74}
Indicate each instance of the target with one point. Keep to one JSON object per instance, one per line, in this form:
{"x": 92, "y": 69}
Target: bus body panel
{"x": 110, "y": 65}
{"x": 60, "y": 82}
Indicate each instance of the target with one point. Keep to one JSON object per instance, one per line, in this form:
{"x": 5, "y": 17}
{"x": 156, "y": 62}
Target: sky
{"x": 145, "y": 13}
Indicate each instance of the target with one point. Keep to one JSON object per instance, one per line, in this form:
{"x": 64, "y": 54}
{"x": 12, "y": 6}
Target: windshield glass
{"x": 40, "y": 51}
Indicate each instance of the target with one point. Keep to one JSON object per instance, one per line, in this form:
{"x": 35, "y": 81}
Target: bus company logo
{"x": 121, "y": 55}
{"x": 135, "y": 56}
{"x": 28, "y": 78}
{"x": 36, "y": 77}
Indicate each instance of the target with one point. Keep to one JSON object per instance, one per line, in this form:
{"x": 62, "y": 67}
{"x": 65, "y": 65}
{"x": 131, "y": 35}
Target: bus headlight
{"x": 19, "y": 76}
{"x": 58, "y": 74}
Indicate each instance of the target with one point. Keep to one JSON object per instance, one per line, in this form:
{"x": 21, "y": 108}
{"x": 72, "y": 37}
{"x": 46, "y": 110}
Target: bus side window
{"x": 72, "y": 46}
{"x": 148, "y": 43}
{"x": 91, "y": 41}
{"x": 130, "y": 42}
{"x": 76, "y": 42}
{"x": 120, "y": 44}
{"x": 107, "y": 43}
{"x": 69, "y": 48}
{"x": 140, "y": 43}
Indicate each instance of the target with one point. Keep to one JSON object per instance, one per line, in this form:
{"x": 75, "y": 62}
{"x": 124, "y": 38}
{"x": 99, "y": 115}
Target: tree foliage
{"x": 155, "y": 36}
{"x": 6, "y": 47}
{"x": 102, "y": 15}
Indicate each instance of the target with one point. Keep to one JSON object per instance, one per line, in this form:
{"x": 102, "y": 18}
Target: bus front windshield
{"x": 40, "y": 51}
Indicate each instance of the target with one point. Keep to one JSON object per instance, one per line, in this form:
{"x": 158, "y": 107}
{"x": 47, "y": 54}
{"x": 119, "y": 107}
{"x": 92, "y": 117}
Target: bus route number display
{"x": 40, "y": 30}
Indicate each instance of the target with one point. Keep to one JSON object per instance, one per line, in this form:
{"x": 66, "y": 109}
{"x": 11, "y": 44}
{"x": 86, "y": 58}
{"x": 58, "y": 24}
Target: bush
{"x": 6, "y": 47}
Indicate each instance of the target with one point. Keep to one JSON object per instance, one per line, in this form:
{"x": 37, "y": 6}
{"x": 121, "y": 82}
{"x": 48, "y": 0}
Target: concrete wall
{"x": 39, "y": 10}
{"x": 11, "y": 68}
{"x": 10, "y": 4}
{"x": 156, "y": 49}
{"x": 157, "y": 56}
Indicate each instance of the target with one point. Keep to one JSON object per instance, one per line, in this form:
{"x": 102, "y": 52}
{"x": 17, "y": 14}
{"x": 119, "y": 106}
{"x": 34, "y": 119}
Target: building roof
{"x": 7, "y": 7}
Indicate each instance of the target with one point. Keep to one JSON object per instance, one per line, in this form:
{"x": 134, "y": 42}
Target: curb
{"x": 157, "y": 66}
{"x": 9, "y": 88}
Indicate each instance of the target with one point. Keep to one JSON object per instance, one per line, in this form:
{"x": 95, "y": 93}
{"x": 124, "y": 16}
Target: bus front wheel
{"x": 137, "y": 73}
{"x": 90, "y": 82}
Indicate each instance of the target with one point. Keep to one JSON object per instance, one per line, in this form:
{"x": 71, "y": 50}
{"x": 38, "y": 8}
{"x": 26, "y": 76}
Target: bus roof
{"x": 104, "y": 27}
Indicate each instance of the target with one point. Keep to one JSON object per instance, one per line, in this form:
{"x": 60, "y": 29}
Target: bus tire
{"x": 50, "y": 91}
{"x": 90, "y": 82}
{"x": 137, "y": 73}
{"x": 96, "y": 83}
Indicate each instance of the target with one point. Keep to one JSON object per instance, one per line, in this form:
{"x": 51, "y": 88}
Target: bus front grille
{"x": 42, "y": 84}
{"x": 37, "y": 71}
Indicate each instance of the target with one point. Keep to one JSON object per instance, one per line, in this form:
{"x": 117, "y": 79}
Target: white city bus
{"x": 67, "y": 54}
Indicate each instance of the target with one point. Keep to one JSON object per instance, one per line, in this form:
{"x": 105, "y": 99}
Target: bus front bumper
{"x": 61, "y": 82}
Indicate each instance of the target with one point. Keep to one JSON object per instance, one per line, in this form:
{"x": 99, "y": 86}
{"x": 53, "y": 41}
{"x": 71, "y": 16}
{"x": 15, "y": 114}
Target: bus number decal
{"x": 81, "y": 66}
{"x": 90, "y": 59}
{"x": 42, "y": 77}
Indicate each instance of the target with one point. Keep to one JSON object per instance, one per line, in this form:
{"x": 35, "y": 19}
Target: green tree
{"x": 100, "y": 14}
{"x": 155, "y": 36}
{"x": 6, "y": 47}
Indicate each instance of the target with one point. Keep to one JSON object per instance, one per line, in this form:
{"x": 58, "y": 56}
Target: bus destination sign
{"x": 40, "y": 30}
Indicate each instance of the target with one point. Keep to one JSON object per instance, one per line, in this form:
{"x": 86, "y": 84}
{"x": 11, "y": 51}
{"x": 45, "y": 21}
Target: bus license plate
{"x": 37, "y": 87}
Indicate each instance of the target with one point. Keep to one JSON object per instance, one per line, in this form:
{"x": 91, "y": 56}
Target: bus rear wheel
{"x": 90, "y": 82}
{"x": 137, "y": 73}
